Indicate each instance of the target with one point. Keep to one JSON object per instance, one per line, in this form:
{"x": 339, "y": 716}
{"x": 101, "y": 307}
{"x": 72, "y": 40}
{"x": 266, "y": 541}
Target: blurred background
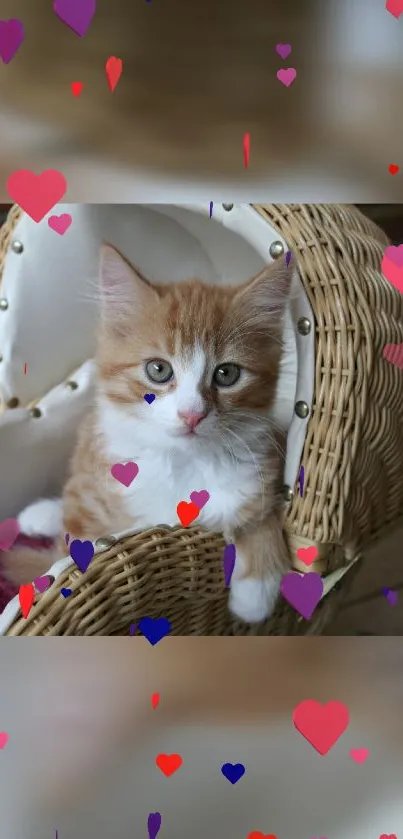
{"x": 83, "y": 738}
{"x": 196, "y": 77}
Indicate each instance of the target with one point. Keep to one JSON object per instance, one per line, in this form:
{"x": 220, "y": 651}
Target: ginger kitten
{"x": 211, "y": 356}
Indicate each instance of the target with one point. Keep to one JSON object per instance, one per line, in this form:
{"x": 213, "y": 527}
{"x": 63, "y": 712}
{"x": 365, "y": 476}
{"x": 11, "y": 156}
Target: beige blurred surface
{"x": 196, "y": 77}
{"x": 83, "y": 738}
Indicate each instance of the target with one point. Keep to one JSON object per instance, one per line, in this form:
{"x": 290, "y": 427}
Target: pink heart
{"x": 307, "y": 555}
{"x": 392, "y": 266}
{"x": 287, "y": 75}
{"x": 3, "y": 739}
{"x": 9, "y": 530}
{"x": 359, "y": 755}
{"x": 200, "y": 498}
{"x": 60, "y": 223}
{"x": 42, "y": 583}
{"x": 125, "y": 473}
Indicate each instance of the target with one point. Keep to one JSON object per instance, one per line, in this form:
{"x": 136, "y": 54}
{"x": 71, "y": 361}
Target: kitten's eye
{"x": 159, "y": 371}
{"x": 226, "y": 375}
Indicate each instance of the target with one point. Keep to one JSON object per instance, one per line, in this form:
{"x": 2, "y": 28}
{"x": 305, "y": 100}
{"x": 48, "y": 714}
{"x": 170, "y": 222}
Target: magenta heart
{"x": 395, "y": 255}
{"x": 303, "y": 592}
{"x": 60, "y": 223}
{"x": 200, "y": 498}
{"x": 287, "y": 75}
{"x": 77, "y": 14}
{"x": 11, "y": 38}
{"x": 9, "y": 530}
{"x": 43, "y": 583}
{"x": 125, "y": 473}
{"x": 82, "y": 553}
{"x": 283, "y": 50}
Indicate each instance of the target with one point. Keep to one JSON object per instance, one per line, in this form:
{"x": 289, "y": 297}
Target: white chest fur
{"x": 163, "y": 480}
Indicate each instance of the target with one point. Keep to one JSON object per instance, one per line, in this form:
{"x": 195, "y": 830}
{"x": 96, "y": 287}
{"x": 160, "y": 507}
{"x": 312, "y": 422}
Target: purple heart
{"x": 149, "y": 397}
{"x": 391, "y": 597}
{"x": 303, "y": 592}
{"x": 395, "y": 255}
{"x": 288, "y": 258}
{"x": 154, "y": 824}
{"x": 200, "y": 498}
{"x": 132, "y": 628}
{"x": 42, "y": 583}
{"x": 283, "y": 50}
{"x": 233, "y": 771}
{"x": 82, "y": 553}
{"x": 77, "y": 14}
{"x": 11, "y": 37}
{"x": 228, "y": 563}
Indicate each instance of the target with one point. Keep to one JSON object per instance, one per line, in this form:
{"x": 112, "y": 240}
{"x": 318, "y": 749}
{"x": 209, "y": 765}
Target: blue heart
{"x": 66, "y": 592}
{"x": 154, "y": 629}
{"x": 82, "y": 553}
{"x": 233, "y": 771}
{"x": 149, "y": 397}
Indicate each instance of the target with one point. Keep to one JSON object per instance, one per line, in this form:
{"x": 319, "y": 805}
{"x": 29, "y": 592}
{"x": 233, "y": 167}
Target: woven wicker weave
{"x": 353, "y": 456}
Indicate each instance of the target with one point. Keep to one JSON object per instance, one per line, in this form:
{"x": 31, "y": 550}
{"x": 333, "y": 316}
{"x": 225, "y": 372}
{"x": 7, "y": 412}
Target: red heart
{"x": 155, "y": 698}
{"x": 26, "y": 596}
{"x": 393, "y": 168}
{"x": 395, "y": 7}
{"x": 307, "y": 555}
{"x": 76, "y": 88}
{"x": 388, "y": 836}
{"x": 168, "y": 763}
{"x": 256, "y": 834}
{"x": 113, "y": 70}
{"x": 36, "y": 194}
{"x": 187, "y": 512}
{"x": 321, "y": 725}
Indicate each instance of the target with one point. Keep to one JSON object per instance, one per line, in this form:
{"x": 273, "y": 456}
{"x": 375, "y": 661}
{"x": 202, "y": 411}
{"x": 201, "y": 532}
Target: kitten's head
{"x": 209, "y": 354}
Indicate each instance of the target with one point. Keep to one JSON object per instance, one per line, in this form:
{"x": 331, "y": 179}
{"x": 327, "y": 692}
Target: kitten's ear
{"x": 267, "y": 293}
{"x": 124, "y": 292}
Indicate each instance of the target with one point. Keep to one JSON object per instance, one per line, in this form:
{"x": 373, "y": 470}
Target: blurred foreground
{"x": 197, "y": 77}
{"x": 83, "y": 738}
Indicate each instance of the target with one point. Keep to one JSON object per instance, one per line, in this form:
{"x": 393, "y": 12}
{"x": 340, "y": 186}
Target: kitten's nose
{"x": 192, "y": 418}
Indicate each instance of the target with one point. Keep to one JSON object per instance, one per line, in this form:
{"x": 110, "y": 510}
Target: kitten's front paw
{"x": 253, "y": 600}
{"x": 42, "y": 518}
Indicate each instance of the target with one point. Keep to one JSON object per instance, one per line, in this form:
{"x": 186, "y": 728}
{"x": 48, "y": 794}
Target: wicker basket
{"x": 353, "y": 458}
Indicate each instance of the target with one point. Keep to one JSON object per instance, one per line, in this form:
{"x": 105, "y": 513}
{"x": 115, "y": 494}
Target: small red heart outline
{"x": 187, "y": 512}
{"x": 169, "y": 763}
